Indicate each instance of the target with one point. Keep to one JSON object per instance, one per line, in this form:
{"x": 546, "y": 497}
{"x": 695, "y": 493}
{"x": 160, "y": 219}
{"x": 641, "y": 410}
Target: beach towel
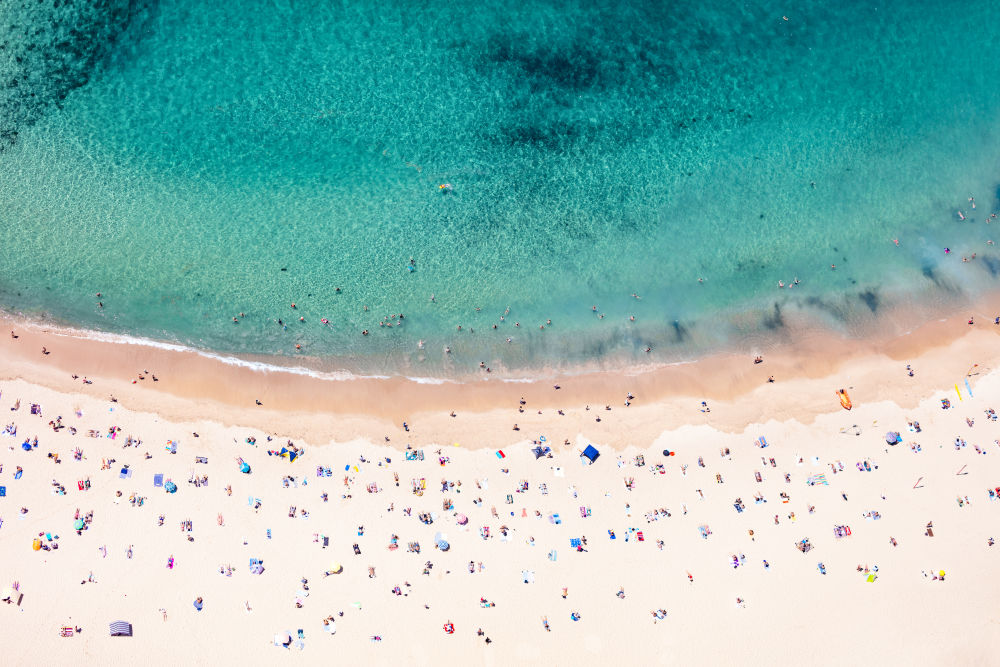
{"x": 3, "y": 491}
{"x": 157, "y": 480}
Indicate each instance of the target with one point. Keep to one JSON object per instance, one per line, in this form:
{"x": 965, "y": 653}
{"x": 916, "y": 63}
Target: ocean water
{"x": 194, "y": 160}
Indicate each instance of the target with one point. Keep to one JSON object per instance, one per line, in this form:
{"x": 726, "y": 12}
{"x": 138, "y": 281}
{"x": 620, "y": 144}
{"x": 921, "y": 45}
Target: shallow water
{"x": 177, "y": 156}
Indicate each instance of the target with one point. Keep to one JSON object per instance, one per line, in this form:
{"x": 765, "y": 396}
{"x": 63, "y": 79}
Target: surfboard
{"x": 845, "y": 400}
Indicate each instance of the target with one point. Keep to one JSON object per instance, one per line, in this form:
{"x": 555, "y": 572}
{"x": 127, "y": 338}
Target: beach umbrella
{"x": 244, "y": 467}
{"x": 78, "y": 524}
{"x": 170, "y": 487}
{"x": 462, "y": 519}
{"x": 337, "y": 568}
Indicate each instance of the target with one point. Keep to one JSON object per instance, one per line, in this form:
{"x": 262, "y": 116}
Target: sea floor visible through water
{"x": 190, "y": 162}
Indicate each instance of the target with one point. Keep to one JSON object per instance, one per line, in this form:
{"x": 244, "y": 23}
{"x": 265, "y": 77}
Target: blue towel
{"x": 157, "y": 481}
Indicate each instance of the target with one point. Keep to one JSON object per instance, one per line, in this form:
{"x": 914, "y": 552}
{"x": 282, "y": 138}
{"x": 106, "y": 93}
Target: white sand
{"x": 791, "y": 613}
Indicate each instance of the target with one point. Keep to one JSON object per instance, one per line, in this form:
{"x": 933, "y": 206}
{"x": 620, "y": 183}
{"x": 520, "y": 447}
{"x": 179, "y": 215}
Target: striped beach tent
{"x": 121, "y": 629}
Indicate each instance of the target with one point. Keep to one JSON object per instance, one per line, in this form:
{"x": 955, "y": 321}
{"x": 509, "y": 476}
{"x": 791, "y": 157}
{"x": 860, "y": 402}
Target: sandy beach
{"x": 780, "y": 528}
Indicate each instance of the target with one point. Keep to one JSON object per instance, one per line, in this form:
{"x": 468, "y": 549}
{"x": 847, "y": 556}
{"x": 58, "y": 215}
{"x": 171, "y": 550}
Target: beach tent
{"x": 541, "y": 451}
{"x": 121, "y": 629}
{"x": 591, "y": 453}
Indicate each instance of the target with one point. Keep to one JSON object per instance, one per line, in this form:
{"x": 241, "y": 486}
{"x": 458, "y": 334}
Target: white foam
{"x": 431, "y": 380}
{"x": 256, "y": 366}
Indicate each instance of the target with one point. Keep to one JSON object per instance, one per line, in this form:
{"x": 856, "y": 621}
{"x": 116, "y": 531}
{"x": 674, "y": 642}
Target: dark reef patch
{"x": 681, "y": 333}
{"x": 992, "y": 265}
{"x": 870, "y": 299}
{"x": 773, "y": 320}
{"x": 49, "y": 50}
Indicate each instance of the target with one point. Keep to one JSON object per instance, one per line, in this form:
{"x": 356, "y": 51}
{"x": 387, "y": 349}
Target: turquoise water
{"x": 194, "y": 160}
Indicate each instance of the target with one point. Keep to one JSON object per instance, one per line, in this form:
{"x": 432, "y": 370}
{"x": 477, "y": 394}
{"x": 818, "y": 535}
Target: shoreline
{"x": 516, "y": 553}
{"x": 298, "y": 402}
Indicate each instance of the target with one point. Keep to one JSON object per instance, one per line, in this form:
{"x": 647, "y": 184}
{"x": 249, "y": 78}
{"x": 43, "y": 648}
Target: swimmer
{"x": 508, "y": 339}
{"x": 594, "y": 308}
{"x": 833, "y": 267}
{"x": 325, "y": 321}
{"x": 433, "y": 300}
{"x": 548, "y": 322}
{"x": 302, "y": 319}
{"x": 796, "y": 281}
{"x": 701, "y": 281}
{"x": 293, "y": 305}
{"x": 235, "y": 321}
{"x": 631, "y": 318}
{"x": 365, "y": 332}
{"x": 447, "y": 349}
{"x": 298, "y": 347}
{"x": 781, "y": 283}
{"x": 973, "y": 200}
{"x": 420, "y": 344}
{"x": 947, "y": 251}
{"x": 961, "y": 216}
{"x": 896, "y": 241}
{"x": 635, "y": 296}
